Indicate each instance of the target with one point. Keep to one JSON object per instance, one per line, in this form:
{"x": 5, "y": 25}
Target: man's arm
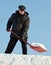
{"x": 25, "y": 27}
{"x": 9, "y": 23}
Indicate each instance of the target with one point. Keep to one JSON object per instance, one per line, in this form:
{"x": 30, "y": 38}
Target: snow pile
{"x": 13, "y": 59}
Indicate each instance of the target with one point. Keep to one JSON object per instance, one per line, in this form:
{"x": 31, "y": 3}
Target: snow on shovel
{"x": 35, "y": 46}
{"x": 38, "y": 47}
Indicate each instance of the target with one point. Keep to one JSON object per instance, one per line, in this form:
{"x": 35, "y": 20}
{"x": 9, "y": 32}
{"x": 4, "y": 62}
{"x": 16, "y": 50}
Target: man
{"x": 19, "y": 22}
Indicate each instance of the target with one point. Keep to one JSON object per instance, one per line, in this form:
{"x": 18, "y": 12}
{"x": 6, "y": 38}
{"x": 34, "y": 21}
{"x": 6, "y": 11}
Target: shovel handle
{"x": 19, "y": 37}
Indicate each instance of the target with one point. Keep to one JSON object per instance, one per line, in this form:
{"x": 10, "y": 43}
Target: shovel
{"x": 34, "y": 47}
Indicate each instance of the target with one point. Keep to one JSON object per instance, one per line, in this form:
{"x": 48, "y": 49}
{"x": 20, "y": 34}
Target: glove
{"x": 7, "y": 29}
{"x": 23, "y": 36}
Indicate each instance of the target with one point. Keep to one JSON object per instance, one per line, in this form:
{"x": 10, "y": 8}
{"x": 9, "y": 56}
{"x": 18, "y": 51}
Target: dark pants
{"x": 12, "y": 44}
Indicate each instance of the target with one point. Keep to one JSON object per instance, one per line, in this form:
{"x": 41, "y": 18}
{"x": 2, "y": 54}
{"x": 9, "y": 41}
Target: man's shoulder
{"x": 27, "y": 15}
{"x": 15, "y": 14}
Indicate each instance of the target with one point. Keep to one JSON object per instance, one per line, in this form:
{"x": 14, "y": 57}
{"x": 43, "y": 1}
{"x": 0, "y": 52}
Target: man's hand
{"x": 7, "y": 29}
{"x": 23, "y": 37}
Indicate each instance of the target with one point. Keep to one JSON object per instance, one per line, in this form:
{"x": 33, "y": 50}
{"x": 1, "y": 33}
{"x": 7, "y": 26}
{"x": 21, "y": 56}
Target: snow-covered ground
{"x": 14, "y": 59}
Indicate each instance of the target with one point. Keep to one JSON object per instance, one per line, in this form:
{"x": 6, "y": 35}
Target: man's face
{"x": 21, "y": 12}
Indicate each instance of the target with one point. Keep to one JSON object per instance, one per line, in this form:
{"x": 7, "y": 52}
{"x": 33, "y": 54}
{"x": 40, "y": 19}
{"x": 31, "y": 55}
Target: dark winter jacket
{"x": 19, "y": 23}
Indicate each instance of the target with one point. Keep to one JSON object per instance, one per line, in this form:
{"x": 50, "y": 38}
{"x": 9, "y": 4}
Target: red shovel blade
{"x": 38, "y": 48}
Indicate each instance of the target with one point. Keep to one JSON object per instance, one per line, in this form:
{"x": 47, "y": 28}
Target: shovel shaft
{"x": 19, "y": 37}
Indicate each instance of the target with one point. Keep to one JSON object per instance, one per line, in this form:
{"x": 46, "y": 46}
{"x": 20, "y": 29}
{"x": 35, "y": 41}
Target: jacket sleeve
{"x": 10, "y": 21}
{"x": 25, "y": 27}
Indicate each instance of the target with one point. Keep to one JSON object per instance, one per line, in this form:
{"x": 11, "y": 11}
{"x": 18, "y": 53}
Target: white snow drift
{"x": 13, "y": 59}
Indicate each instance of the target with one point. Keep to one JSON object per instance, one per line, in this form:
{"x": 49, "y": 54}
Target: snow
{"x": 38, "y": 44}
{"x": 14, "y": 59}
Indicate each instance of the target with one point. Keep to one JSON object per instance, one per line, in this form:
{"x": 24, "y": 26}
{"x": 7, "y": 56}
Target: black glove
{"x": 7, "y": 29}
{"x": 23, "y": 36}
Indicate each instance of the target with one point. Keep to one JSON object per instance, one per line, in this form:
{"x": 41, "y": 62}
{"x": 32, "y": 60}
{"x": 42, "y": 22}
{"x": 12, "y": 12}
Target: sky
{"x": 40, "y": 24}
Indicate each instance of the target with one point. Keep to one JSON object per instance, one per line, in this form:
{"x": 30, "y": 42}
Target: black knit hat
{"x": 21, "y": 7}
